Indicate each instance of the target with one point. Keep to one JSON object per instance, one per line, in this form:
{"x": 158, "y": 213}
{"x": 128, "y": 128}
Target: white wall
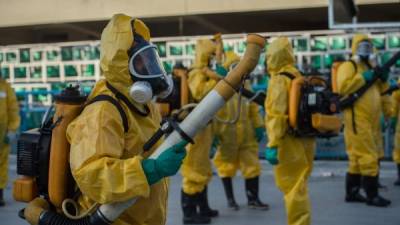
{"x": 30, "y": 12}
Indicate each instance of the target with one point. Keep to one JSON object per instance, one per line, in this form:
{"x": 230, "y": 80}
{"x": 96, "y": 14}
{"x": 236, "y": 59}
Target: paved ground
{"x": 326, "y": 190}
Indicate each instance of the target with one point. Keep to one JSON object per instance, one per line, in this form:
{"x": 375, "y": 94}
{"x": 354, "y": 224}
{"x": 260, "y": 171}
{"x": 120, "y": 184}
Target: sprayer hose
{"x": 54, "y": 218}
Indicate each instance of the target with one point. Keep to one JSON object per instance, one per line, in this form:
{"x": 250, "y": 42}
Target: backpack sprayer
{"x": 107, "y": 213}
{"x": 313, "y": 106}
{"x": 258, "y": 97}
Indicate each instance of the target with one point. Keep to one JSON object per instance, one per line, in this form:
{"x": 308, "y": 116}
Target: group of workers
{"x": 109, "y": 165}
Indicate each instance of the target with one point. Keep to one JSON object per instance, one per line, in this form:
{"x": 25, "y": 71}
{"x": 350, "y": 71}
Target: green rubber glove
{"x": 393, "y": 122}
{"x": 271, "y": 155}
{"x": 215, "y": 142}
{"x": 260, "y": 133}
{"x": 167, "y": 164}
{"x": 368, "y": 75}
{"x": 221, "y": 70}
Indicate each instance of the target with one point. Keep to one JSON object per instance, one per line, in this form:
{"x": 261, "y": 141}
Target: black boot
{"x": 380, "y": 185}
{"x": 204, "y": 207}
{"x": 371, "y": 188}
{"x": 353, "y": 185}
{"x": 190, "y": 215}
{"x": 227, "y": 182}
{"x": 254, "y": 201}
{"x": 397, "y": 183}
{"x": 2, "y": 203}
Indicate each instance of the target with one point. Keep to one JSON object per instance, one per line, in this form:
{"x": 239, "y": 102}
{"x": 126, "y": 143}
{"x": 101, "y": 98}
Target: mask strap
{"x": 131, "y": 106}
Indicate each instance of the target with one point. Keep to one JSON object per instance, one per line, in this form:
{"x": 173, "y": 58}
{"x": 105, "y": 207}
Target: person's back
{"x": 293, "y": 156}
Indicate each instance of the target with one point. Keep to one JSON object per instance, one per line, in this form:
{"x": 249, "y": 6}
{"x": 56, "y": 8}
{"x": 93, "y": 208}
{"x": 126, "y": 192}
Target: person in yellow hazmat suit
{"x": 238, "y": 131}
{"x": 9, "y": 123}
{"x": 196, "y": 168}
{"x": 292, "y": 156}
{"x": 362, "y": 123}
{"x": 107, "y": 161}
{"x": 396, "y": 150}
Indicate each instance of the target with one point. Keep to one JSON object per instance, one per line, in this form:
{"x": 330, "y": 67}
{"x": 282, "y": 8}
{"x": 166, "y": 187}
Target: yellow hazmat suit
{"x": 196, "y": 167}
{"x": 295, "y": 155}
{"x": 238, "y": 147}
{"x": 9, "y": 122}
{"x": 396, "y": 113}
{"x": 105, "y": 161}
{"x": 363, "y": 139}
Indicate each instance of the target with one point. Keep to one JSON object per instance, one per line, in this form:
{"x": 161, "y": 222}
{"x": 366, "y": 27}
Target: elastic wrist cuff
{"x": 150, "y": 170}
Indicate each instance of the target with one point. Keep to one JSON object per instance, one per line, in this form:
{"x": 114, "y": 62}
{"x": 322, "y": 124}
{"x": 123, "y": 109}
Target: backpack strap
{"x": 288, "y": 75}
{"x": 117, "y": 105}
{"x": 354, "y": 64}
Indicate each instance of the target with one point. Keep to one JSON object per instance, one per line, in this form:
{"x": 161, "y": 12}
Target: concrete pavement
{"x": 326, "y": 191}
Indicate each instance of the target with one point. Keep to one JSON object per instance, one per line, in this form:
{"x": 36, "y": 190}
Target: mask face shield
{"x": 145, "y": 63}
{"x": 364, "y": 49}
{"x": 148, "y": 72}
{"x": 167, "y": 90}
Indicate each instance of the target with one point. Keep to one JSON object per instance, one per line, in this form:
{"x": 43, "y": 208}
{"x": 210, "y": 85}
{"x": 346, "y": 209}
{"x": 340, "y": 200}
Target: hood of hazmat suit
{"x": 205, "y": 49}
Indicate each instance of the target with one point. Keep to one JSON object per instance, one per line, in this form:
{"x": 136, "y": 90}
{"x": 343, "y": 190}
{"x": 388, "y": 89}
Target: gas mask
{"x": 147, "y": 73}
{"x": 365, "y": 51}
